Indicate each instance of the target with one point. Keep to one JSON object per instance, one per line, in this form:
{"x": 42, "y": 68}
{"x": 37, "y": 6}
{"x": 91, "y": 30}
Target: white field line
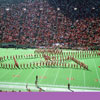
{"x": 15, "y": 77}
{"x": 45, "y": 85}
{"x": 43, "y": 75}
{"x": 70, "y": 76}
{"x": 84, "y": 76}
{"x": 15, "y": 87}
{"x": 29, "y": 75}
{"x": 4, "y": 75}
{"x": 45, "y": 88}
{"x": 56, "y": 76}
{"x": 96, "y": 71}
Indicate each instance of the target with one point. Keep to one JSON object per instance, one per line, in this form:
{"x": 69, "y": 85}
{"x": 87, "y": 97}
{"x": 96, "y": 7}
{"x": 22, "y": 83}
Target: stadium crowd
{"x": 39, "y": 24}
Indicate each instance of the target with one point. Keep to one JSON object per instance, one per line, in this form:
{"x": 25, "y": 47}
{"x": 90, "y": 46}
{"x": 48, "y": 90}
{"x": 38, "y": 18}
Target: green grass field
{"x": 50, "y": 79}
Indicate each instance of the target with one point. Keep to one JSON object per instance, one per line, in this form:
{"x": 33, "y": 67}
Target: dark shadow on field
{"x": 88, "y": 58}
{"x": 3, "y": 61}
{"x": 44, "y": 67}
{"x": 66, "y": 68}
{"x": 70, "y": 90}
{"x": 28, "y": 58}
{"x": 76, "y": 68}
{"x": 40, "y": 89}
{"x": 89, "y": 70}
{"x": 37, "y": 86}
{"x": 17, "y": 68}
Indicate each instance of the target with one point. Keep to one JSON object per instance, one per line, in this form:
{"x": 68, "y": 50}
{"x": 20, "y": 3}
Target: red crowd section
{"x": 39, "y": 24}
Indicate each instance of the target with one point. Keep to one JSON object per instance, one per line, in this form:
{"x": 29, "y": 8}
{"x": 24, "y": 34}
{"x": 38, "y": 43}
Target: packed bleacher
{"x": 39, "y": 24}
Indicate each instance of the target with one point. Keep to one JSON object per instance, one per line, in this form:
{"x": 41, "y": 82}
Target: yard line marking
{"x": 84, "y": 76}
{"x": 96, "y": 71}
{"x": 45, "y": 85}
{"x": 70, "y": 76}
{"x": 43, "y": 75}
{"x": 4, "y": 74}
{"x": 29, "y": 75}
{"x": 15, "y": 77}
{"x": 34, "y": 88}
{"x": 56, "y": 76}
{"x": 45, "y": 88}
{"x": 15, "y": 87}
